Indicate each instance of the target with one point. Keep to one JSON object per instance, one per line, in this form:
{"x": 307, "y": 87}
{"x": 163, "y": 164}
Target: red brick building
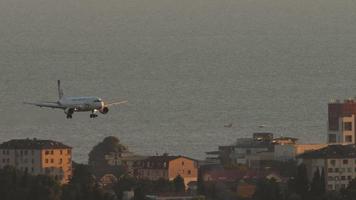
{"x": 341, "y": 122}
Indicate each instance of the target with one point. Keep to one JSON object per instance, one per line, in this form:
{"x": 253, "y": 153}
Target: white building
{"x": 337, "y": 161}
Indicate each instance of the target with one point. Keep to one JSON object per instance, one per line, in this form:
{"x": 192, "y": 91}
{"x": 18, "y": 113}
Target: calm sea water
{"x": 187, "y": 68}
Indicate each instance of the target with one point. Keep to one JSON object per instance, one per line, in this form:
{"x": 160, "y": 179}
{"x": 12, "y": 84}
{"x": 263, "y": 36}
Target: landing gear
{"x": 69, "y": 113}
{"x": 93, "y": 115}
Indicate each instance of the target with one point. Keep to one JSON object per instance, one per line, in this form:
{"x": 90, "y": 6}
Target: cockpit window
{"x": 97, "y": 100}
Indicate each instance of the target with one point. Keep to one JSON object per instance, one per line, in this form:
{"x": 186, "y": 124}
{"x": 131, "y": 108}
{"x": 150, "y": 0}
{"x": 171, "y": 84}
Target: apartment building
{"x": 337, "y": 161}
{"x": 341, "y": 122}
{"x": 246, "y": 151}
{"x": 285, "y": 152}
{"x": 126, "y": 159}
{"x": 35, "y": 156}
{"x": 168, "y": 167}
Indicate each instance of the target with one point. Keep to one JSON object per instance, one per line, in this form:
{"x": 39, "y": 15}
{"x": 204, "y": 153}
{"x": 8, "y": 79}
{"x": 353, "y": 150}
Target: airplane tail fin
{"x": 60, "y": 91}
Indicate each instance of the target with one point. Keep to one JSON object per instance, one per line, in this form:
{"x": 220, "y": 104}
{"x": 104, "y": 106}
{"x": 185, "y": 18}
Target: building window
{"x": 182, "y": 163}
{"x": 68, "y": 151}
{"x": 332, "y": 162}
{"x": 46, "y": 152}
{"x": 336, "y": 169}
{"x": 60, "y": 161}
{"x": 349, "y": 178}
{"x": 52, "y": 161}
{"x": 348, "y": 126}
{"x": 189, "y": 172}
{"x": 32, "y": 170}
{"x": 332, "y": 138}
{"x": 345, "y": 162}
{"x": 349, "y": 170}
{"x": 348, "y": 138}
{"x": 248, "y": 151}
{"x": 330, "y": 170}
{"x": 343, "y": 178}
{"x": 61, "y": 152}
{"x": 52, "y": 152}
{"x": 46, "y": 160}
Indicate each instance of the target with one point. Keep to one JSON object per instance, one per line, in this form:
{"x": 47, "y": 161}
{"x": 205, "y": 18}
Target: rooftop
{"x": 33, "y": 144}
{"x": 332, "y": 151}
{"x": 165, "y": 158}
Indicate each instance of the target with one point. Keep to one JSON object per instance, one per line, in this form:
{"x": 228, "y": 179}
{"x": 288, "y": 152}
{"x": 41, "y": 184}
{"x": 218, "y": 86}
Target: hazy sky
{"x": 187, "y": 68}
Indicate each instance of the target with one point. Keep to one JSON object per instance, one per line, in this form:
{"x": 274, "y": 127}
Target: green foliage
{"x": 83, "y": 186}
{"x": 350, "y": 192}
{"x": 179, "y": 185}
{"x": 301, "y": 181}
{"x": 201, "y": 187}
{"x": 316, "y": 188}
{"x": 109, "y": 144}
{"x": 322, "y": 181}
{"x": 267, "y": 189}
{"x": 17, "y": 185}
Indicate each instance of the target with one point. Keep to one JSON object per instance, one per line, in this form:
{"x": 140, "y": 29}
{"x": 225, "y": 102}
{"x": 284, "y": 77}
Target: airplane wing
{"x": 46, "y": 104}
{"x": 115, "y": 103}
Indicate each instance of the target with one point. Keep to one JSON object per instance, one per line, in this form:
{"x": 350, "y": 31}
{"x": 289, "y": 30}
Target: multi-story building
{"x": 337, "y": 161}
{"x": 35, "y": 156}
{"x": 285, "y": 152}
{"x": 126, "y": 159}
{"x": 168, "y": 168}
{"x": 246, "y": 151}
{"x": 341, "y": 122}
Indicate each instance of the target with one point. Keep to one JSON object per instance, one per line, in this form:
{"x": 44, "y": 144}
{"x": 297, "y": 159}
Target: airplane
{"x": 77, "y": 104}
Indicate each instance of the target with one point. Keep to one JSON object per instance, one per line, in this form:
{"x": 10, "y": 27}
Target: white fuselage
{"x": 81, "y": 104}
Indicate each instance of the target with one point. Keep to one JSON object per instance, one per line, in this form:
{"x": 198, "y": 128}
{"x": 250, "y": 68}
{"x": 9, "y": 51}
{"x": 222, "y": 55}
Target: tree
{"x": 349, "y": 193}
{"x": 19, "y": 185}
{"x": 267, "y": 189}
{"x": 201, "y": 186}
{"x": 97, "y": 157}
{"x": 301, "y": 181}
{"x": 82, "y": 186}
{"x": 43, "y": 187}
{"x": 322, "y": 181}
{"x": 124, "y": 183}
{"x": 108, "y": 145}
{"x": 316, "y": 188}
{"x": 178, "y": 183}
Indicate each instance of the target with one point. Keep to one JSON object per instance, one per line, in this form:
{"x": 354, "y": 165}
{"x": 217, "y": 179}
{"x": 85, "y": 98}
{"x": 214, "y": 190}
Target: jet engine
{"x": 104, "y": 110}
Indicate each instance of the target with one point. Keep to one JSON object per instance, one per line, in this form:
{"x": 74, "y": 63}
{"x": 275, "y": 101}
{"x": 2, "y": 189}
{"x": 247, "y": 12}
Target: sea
{"x": 188, "y": 68}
